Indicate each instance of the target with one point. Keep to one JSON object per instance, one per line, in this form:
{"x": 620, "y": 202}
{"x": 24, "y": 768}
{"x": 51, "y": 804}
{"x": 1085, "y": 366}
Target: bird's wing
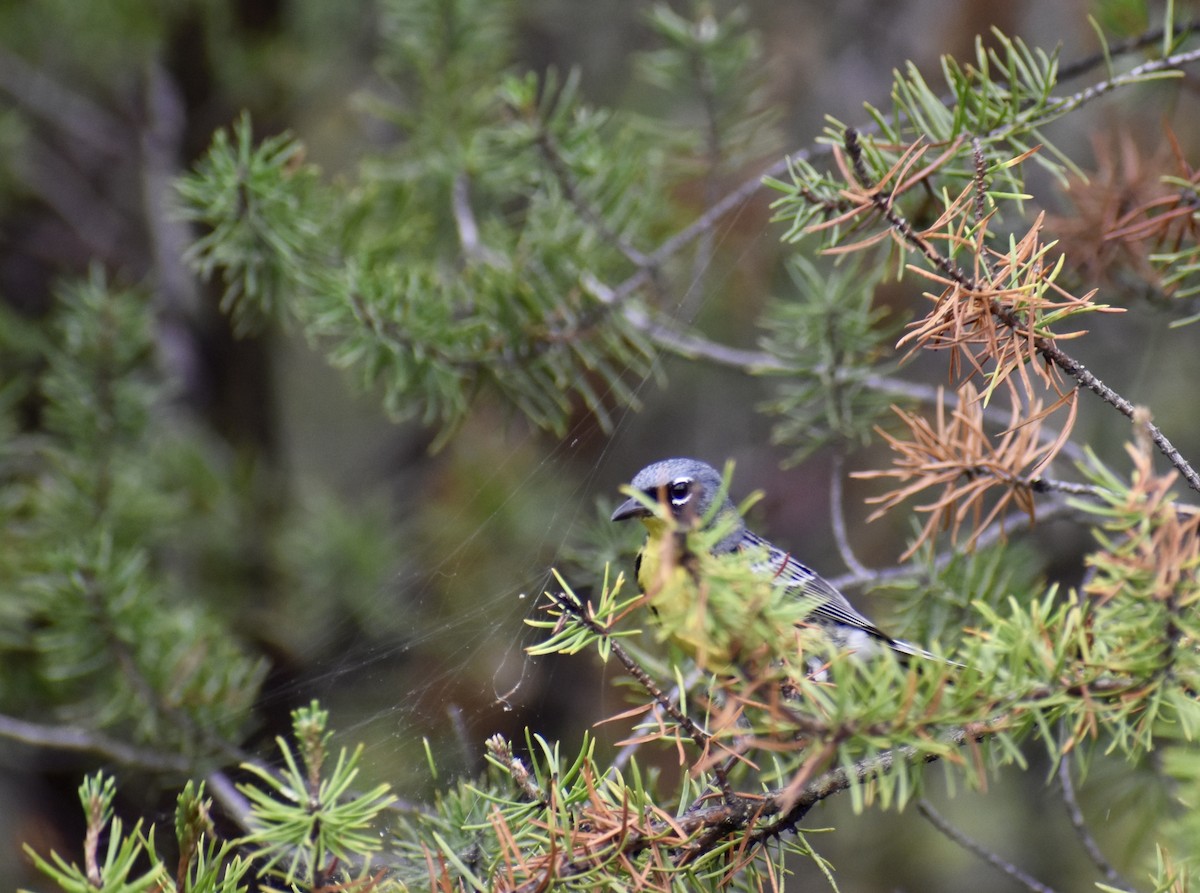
{"x": 829, "y": 605}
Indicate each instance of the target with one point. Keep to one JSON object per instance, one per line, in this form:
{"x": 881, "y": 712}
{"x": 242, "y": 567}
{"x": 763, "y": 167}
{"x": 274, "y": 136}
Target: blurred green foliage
{"x": 505, "y": 221}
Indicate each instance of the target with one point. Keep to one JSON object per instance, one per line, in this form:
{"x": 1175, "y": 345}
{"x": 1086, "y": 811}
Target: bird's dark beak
{"x": 630, "y": 508}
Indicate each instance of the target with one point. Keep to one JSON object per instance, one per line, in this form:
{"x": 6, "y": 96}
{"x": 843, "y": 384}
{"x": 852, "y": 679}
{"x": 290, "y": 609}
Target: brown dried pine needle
{"x": 977, "y": 475}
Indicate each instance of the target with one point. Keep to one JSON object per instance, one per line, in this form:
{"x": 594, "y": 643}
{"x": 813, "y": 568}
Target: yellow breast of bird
{"x": 719, "y": 609}
{"x": 658, "y": 560}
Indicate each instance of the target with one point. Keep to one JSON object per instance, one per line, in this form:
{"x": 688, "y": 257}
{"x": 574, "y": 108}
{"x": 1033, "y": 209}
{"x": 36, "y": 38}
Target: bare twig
{"x": 473, "y": 247}
{"x": 1134, "y": 75}
{"x": 233, "y": 802}
{"x": 87, "y": 741}
{"x": 997, "y": 530}
{"x": 980, "y": 180}
{"x": 62, "y": 108}
{"x": 838, "y": 519}
{"x": 973, "y": 846}
{"x": 1120, "y": 48}
{"x": 1072, "y": 488}
{"x": 1081, "y": 829}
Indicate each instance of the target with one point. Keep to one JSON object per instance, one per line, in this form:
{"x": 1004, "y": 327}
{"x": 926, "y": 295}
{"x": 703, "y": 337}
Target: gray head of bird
{"x": 688, "y": 487}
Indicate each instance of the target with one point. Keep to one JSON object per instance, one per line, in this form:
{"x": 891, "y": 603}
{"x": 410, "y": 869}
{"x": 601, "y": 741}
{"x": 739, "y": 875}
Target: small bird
{"x": 689, "y": 488}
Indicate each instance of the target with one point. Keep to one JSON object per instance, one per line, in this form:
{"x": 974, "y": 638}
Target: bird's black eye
{"x": 679, "y": 490}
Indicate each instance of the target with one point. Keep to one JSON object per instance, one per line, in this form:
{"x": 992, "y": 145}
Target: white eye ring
{"x": 680, "y": 491}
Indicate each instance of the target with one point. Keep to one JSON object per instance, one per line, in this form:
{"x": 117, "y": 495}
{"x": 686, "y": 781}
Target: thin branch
{"x": 63, "y": 109}
{"x": 838, "y": 519}
{"x": 1133, "y": 76}
{"x": 473, "y": 247}
{"x": 73, "y": 738}
{"x": 1081, "y": 374}
{"x": 732, "y": 201}
{"x": 1045, "y": 347}
{"x": 1081, "y": 829}
{"x": 973, "y": 846}
{"x": 576, "y": 610}
{"x": 1120, "y": 48}
{"x": 994, "y": 533}
{"x": 233, "y": 802}
{"x": 842, "y": 779}
{"x": 160, "y": 142}
{"x": 1072, "y": 488}
{"x": 566, "y": 181}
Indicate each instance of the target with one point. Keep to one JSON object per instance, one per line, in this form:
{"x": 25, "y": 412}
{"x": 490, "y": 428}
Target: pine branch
{"x": 615, "y": 835}
{"x": 700, "y": 738}
{"x": 1043, "y": 346}
{"x": 559, "y": 168}
{"x": 737, "y": 198}
{"x": 701, "y": 827}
